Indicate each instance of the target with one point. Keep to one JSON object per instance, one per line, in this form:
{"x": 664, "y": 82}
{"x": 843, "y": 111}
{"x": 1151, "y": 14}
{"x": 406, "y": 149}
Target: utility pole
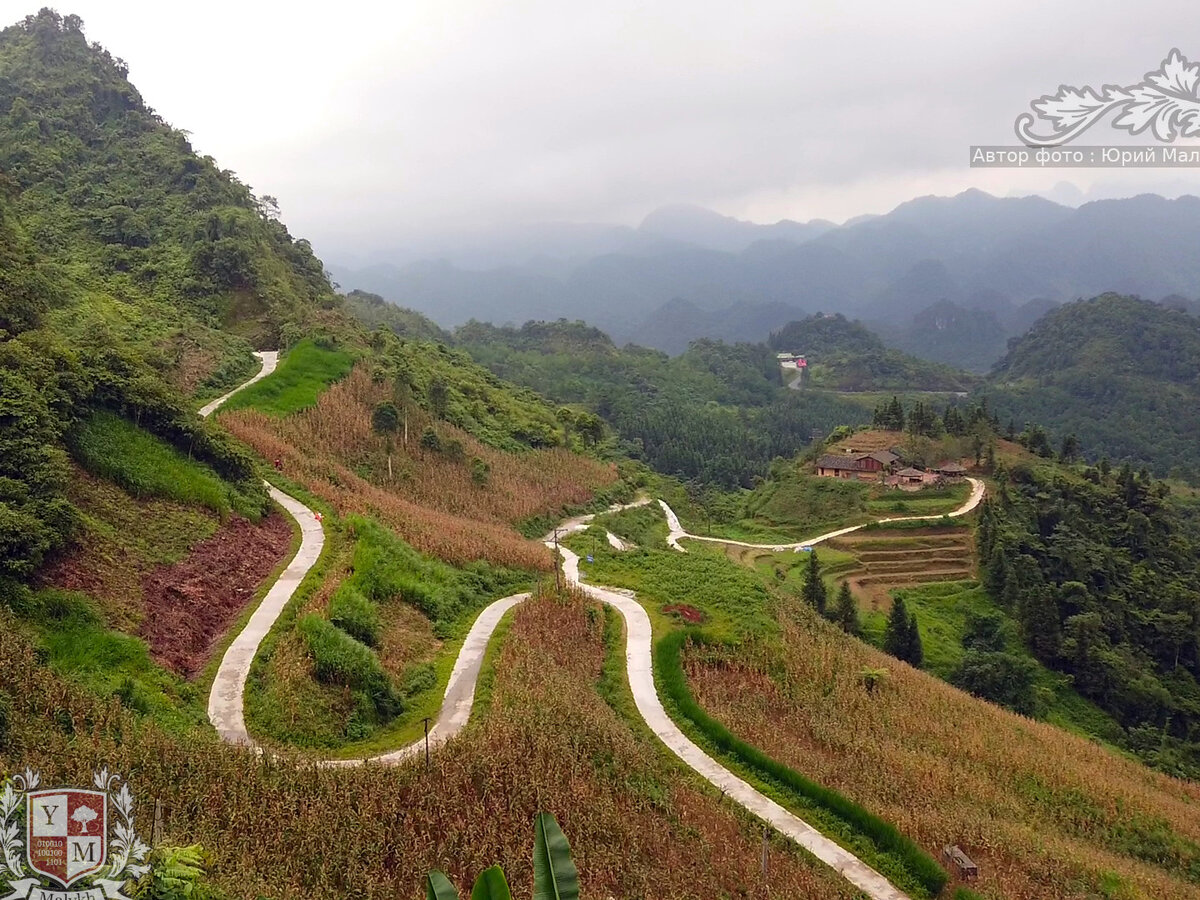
{"x": 156, "y": 832}
{"x": 557, "y": 577}
{"x": 427, "y": 746}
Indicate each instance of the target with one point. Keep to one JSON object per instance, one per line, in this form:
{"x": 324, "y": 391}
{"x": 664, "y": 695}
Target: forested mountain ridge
{"x": 120, "y": 202}
{"x": 846, "y": 355}
{"x": 718, "y": 413}
{"x": 1123, "y": 374}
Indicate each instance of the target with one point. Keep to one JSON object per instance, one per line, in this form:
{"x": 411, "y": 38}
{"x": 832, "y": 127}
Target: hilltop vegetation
{"x": 1099, "y": 567}
{"x": 1122, "y": 374}
{"x": 118, "y": 202}
{"x": 716, "y": 414}
{"x": 844, "y": 355}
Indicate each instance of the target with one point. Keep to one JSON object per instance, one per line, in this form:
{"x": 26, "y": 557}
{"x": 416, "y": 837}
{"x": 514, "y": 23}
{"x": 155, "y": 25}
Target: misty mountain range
{"x": 946, "y": 278}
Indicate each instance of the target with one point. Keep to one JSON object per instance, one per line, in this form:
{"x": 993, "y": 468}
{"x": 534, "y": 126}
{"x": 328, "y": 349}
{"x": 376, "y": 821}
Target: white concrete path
{"x": 269, "y": 360}
{"x": 226, "y": 701}
{"x": 581, "y": 523}
{"x": 677, "y": 533}
{"x": 639, "y": 664}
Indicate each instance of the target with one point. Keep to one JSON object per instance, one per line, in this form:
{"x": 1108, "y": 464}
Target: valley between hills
{"x": 356, "y": 602}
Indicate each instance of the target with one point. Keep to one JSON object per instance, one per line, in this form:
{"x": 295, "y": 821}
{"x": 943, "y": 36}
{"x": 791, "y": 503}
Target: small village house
{"x": 909, "y": 478}
{"x": 859, "y": 466}
{"x": 951, "y": 471}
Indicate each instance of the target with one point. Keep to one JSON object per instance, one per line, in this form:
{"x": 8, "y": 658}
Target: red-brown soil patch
{"x": 189, "y": 604}
{"x": 689, "y": 614}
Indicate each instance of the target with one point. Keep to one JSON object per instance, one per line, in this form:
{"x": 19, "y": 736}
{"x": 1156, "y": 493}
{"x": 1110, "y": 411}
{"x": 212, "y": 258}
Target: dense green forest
{"x": 1122, "y": 374}
{"x": 133, "y": 274}
{"x": 845, "y": 355}
{"x": 1101, "y": 568}
{"x": 122, "y": 204}
{"x": 716, "y": 414}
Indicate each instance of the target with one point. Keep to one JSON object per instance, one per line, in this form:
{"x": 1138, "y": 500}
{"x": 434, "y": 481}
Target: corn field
{"x": 1043, "y": 813}
{"x": 431, "y": 499}
{"x": 637, "y": 826}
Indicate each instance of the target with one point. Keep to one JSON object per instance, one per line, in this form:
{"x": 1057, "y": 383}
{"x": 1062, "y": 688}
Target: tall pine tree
{"x": 901, "y": 637}
{"x": 895, "y": 635}
{"x": 916, "y": 650}
{"x": 845, "y": 610}
{"x": 814, "y": 593}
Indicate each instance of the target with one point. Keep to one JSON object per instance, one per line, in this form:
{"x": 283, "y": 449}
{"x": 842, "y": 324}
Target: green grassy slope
{"x": 302, "y": 374}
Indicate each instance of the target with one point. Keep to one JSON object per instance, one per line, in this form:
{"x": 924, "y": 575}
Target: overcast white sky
{"x": 373, "y": 123}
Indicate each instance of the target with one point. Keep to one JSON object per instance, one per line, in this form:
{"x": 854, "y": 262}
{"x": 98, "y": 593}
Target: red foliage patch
{"x": 189, "y": 604}
{"x": 689, "y": 614}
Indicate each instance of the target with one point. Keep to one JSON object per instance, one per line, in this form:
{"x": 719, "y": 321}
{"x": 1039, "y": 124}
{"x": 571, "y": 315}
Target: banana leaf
{"x": 491, "y": 885}
{"x": 554, "y": 874}
{"x": 438, "y": 887}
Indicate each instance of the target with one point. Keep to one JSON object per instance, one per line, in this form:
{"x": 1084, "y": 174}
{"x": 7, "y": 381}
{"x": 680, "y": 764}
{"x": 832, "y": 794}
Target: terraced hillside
{"x": 883, "y": 560}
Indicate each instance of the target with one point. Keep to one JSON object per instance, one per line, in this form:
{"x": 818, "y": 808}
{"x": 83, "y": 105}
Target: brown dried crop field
{"x": 1044, "y": 813}
{"x": 637, "y": 826}
{"x": 432, "y": 501}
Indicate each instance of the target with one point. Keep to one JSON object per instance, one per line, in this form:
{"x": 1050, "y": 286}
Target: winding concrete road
{"x": 227, "y": 698}
{"x": 639, "y": 664}
{"x": 677, "y": 532}
{"x": 269, "y": 360}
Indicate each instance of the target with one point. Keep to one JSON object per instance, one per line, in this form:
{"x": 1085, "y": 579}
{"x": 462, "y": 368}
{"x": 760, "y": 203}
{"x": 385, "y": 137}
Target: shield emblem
{"x": 68, "y": 833}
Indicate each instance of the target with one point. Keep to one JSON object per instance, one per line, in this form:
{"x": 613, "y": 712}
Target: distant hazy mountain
{"x": 952, "y": 334}
{"x": 544, "y": 246}
{"x": 678, "y": 322}
{"x": 705, "y": 228}
{"x": 1012, "y": 258}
